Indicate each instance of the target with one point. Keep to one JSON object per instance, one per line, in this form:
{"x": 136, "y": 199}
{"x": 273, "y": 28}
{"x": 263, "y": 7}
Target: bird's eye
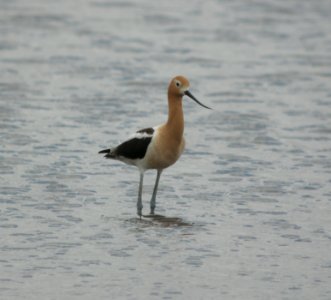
{"x": 177, "y": 84}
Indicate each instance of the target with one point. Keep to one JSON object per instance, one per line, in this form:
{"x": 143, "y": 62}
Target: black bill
{"x": 188, "y": 93}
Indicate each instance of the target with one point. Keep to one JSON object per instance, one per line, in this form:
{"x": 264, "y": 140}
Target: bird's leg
{"x": 155, "y": 191}
{"x": 139, "y": 202}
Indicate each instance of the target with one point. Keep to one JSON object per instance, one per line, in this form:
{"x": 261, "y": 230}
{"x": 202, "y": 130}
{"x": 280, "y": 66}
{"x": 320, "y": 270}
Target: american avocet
{"x": 157, "y": 147}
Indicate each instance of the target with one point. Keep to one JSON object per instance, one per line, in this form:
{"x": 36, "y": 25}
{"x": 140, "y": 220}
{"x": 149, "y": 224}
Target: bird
{"x": 156, "y": 147}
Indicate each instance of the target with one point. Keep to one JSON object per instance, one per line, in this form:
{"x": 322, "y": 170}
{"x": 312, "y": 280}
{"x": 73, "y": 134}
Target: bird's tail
{"x": 109, "y": 153}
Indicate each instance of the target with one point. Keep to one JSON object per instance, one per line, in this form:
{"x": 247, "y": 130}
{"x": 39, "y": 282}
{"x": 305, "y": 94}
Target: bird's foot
{"x": 139, "y": 215}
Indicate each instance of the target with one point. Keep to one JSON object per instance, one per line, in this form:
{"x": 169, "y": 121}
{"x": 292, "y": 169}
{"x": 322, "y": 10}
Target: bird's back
{"x": 133, "y": 149}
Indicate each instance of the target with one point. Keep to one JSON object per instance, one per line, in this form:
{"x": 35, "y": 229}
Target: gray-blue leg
{"x": 155, "y": 191}
{"x": 139, "y": 202}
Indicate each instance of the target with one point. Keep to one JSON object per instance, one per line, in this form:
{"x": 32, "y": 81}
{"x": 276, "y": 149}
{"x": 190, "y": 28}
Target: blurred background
{"x": 253, "y": 187}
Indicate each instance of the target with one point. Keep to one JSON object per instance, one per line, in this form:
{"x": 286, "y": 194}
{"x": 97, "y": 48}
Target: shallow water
{"x": 247, "y": 206}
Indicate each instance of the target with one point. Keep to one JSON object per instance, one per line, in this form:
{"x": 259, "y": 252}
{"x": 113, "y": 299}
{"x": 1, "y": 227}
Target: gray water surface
{"x": 249, "y": 202}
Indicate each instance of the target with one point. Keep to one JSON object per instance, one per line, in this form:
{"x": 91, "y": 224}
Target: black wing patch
{"x": 134, "y": 148}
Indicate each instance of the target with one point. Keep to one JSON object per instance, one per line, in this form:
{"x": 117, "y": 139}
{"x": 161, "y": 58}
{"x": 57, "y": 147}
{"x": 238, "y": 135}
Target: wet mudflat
{"x": 246, "y": 210}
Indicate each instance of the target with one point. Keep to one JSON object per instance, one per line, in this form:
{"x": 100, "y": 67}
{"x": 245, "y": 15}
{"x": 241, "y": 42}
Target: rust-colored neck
{"x": 175, "y": 123}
